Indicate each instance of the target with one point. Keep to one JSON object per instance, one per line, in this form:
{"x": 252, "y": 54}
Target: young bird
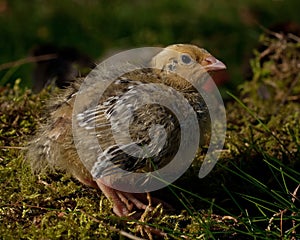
{"x": 54, "y": 144}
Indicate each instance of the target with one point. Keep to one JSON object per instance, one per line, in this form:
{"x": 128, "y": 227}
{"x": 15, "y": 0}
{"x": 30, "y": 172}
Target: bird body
{"x": 54, "y": 144}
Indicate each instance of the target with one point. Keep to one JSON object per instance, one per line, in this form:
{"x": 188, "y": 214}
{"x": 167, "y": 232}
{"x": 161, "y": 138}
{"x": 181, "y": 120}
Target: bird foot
{"x": 123, "y": 202}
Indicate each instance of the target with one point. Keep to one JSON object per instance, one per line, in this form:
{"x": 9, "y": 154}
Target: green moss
{"x": 270, "y": 115}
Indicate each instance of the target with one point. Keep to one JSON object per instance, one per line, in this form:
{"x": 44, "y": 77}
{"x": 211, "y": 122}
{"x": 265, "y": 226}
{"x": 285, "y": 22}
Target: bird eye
{"x": 186, "y": 59}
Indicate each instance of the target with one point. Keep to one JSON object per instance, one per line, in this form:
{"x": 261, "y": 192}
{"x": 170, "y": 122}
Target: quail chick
{"x": 54, "y": 144}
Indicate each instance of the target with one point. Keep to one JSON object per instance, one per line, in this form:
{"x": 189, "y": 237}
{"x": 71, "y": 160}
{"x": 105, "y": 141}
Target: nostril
{"x": 210, "y": 60}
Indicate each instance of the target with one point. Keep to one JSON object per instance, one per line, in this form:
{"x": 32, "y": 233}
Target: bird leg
{"x": 123, "y": 202}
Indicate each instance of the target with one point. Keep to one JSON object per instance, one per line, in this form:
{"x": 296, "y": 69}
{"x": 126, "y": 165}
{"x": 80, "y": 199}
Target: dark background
{"x": 228, "y": 29}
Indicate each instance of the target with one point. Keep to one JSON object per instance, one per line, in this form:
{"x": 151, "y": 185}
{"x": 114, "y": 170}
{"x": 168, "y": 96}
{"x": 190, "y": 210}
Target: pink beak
{"x": 214, "y": 64}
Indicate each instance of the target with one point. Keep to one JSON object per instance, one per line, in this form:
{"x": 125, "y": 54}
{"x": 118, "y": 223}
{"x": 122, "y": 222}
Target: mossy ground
{"x": 251, "y": 193}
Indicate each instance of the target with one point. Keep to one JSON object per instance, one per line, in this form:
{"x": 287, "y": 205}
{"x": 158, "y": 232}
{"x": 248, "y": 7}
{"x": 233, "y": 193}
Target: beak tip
{"x": 218, "y": 65}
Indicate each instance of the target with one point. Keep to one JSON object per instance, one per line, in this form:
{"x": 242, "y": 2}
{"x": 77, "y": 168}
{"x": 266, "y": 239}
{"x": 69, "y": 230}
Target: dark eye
{"x": 186, "y": 59}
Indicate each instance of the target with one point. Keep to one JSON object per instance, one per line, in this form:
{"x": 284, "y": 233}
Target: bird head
{"x": 186, "y": 60}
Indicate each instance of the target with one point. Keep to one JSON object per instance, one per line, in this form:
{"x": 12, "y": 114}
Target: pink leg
{"x": 123, "y": 202}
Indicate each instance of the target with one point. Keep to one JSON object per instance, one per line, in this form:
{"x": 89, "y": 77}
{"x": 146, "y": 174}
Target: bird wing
{"x": 126, "y": 135}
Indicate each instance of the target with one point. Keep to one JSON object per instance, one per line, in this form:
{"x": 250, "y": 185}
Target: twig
{"x": 13, "y": 147}
{"x": 270, "y": 32}
{"x": 282, "y": 212}
{"x": 26, "y": 205}
{"x": 294, "y": 37}
{"x": 294, "y": 194}
{"x": 27, "y": 60}
{"x": 121, "y": 232}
